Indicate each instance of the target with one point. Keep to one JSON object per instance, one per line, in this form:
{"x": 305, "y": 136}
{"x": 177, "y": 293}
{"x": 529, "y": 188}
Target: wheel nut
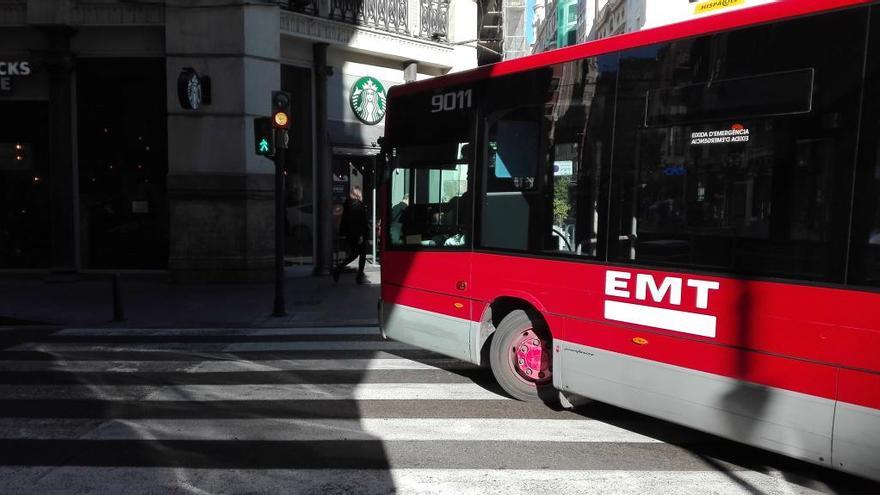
{"x": 522, "y": 361}
{"x": 536, "y": 342}
{"x": 524, "y": 349}
{"x": 529, "y": 372}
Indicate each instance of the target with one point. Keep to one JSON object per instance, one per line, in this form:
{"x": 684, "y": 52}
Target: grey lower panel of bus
{"x": 857, "y": 440}
{"x": 436, "y": 332}
{"x": 791, "y": 423}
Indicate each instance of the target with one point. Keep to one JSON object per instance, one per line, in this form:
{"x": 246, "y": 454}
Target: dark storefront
{"x": 24, "y": 178}
{"x": 122, "y": 163}
{"x": 120, "y": 130}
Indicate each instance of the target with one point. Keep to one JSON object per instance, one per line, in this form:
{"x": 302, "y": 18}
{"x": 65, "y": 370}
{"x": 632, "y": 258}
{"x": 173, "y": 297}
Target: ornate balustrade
{"x": 302, "y": 6}
{"x": 387, "y": 15}
{"x": 434, "y": 15}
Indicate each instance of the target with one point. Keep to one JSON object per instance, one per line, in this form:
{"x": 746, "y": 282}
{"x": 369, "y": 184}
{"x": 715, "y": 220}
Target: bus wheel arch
{"x": 516, "y": 343}
{"x": 492, "y": 315}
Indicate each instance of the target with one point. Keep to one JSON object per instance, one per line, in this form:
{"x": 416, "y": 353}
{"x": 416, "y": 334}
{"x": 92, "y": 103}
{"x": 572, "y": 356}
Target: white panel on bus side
{"x": 783, "y": 421}
{"x": 857, "y": 440}
{"x": 436, "y": 332}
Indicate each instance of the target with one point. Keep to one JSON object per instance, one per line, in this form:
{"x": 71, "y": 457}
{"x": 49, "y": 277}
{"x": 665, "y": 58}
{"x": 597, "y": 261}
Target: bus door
{"x": 426, "y": 276}
{"x": 428, "y": 221}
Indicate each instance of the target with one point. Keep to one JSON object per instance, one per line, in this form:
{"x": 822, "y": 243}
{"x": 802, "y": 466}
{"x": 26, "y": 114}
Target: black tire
{"x": 501, "y": 355}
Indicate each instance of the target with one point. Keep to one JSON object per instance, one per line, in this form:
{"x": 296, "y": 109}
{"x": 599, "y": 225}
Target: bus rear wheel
{"x": 521, "y": 358}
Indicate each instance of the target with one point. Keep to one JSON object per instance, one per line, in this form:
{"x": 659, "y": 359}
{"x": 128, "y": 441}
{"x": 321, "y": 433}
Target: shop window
{"x": 123, "y": 163}
{"x": 24, "y": 186}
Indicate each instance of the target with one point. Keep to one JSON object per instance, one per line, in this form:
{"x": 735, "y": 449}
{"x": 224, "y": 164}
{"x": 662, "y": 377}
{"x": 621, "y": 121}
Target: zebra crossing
{"x": 329, "y": 410}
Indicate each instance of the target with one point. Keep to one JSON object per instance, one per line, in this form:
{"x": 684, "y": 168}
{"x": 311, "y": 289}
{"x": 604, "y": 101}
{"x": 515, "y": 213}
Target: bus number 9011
{"x": 455, "y": 100}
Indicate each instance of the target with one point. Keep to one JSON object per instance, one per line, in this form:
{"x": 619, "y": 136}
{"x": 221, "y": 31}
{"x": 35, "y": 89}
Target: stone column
{"x": 323, "y": 167}
{"x": 220, "y": 192}
{"x": 414, "y": 16}
{"x": 410, "y": 71}
{"x": 63, "y": 164}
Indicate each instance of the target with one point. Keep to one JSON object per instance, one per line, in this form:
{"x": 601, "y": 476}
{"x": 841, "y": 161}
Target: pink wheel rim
{"x": 531, "y": 357}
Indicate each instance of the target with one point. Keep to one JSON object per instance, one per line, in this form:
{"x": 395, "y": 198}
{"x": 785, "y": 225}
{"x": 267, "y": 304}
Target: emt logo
{"x": 669, "y": 290}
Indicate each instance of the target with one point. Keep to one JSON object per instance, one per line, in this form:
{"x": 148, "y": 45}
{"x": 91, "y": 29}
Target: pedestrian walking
{"x": 355, "y": 228}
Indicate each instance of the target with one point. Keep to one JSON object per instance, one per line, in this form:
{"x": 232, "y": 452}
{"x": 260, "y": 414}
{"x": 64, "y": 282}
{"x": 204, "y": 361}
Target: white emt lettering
{"x": 669, "y": 290}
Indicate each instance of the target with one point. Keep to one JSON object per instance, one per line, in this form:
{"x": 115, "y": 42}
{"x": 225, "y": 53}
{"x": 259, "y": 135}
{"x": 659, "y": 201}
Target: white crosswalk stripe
{"x": 240, "y": 347}
{"x": 303, "y": 392}
{"x": 136, "y": 481}
{"x": 385, "y": 429}
{"x": 189, "y": 332}
{"x": 238, "y": 366}
{"x": 90, "y": 410}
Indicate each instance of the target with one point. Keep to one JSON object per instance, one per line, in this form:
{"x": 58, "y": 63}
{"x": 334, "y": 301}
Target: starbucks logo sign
{"x": 368, "y": 100}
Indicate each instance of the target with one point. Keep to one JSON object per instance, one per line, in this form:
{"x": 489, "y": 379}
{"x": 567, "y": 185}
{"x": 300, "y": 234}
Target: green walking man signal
{"x": 264, "y": 136}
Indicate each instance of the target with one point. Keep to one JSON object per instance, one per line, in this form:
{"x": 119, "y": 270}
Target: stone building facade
{"x": 103, "y": 164}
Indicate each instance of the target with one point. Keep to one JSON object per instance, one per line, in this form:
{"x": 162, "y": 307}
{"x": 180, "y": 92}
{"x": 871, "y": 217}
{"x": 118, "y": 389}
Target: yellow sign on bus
{"x": 711, "y": 5}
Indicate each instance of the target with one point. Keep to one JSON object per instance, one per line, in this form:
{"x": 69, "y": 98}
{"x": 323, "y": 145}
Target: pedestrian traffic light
{"x": 264, "y": 136}
{"x": 281, "y": 109}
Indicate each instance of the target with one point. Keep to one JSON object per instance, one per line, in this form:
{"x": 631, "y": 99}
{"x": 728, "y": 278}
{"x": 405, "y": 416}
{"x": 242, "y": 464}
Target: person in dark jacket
{"x": 398, "y": 216}
{"x": 356, "y": 229}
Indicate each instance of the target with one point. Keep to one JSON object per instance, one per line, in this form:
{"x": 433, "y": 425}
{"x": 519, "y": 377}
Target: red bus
{"x": 683, "y": 221}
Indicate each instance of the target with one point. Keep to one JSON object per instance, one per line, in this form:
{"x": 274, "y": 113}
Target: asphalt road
{"x": 330, "y": 410}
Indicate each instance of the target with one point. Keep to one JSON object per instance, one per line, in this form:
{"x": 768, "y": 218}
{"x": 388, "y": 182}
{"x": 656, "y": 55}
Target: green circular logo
{"x": 368, "y": 100}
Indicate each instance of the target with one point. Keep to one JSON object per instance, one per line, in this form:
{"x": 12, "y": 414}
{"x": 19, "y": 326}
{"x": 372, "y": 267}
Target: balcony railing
{"x": 435, "y": 19}
{"x": 387, "y": 15}
{"x": 302, "y": 6}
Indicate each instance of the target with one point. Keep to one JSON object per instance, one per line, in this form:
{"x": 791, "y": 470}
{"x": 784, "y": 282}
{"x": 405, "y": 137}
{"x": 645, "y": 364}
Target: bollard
{"x": 118, "y": 311}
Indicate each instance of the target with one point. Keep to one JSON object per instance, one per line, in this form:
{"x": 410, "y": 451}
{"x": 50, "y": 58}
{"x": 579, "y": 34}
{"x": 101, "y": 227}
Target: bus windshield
{"x": 430, "y": 204}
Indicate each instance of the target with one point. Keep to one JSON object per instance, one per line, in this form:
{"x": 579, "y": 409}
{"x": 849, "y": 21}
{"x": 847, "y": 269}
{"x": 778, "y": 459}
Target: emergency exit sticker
{"x": 737, "y": 133}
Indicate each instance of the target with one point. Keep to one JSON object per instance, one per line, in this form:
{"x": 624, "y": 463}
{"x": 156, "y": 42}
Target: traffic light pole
{"x": 280, "y": 152}
{"x": 270, "y": 140}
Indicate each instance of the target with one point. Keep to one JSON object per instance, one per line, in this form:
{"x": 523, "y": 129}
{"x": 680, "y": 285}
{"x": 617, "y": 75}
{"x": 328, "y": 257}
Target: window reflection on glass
{"x": 701, "y": 199}
{"x": 545, "y": 160}
{"x": 866, "y": 250}
{"x": 430, "y": 201}
{"x": 512, "y": 155}
{"x": 735, "y": 158}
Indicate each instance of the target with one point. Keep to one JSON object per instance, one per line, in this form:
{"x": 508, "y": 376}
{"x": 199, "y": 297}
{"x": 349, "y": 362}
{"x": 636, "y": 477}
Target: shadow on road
{"x": 191, "y": 406}
{"x": 727, "y": 457}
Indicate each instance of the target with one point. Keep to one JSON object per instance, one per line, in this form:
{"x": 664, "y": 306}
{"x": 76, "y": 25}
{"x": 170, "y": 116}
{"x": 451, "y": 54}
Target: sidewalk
{"x": 151, "y": 302}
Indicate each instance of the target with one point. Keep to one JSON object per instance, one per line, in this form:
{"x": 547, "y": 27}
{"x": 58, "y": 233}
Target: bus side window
{"x": 513, "y": 155}
{"x": 509, "y": 204}
{"x": 734, "y": 150}
{"x": 545, "y": 158}
{"x": 864, "y": 266}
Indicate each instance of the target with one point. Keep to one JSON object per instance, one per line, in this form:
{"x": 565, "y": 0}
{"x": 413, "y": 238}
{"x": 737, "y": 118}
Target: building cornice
{"x": 81, "y": 14}
{"x": 117, "y": 14}
{"x": 13, "y": 14}
{"x": 367, "y": 40}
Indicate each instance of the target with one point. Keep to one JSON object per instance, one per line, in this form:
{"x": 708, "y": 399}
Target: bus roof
{"x": 715, "y": 23}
